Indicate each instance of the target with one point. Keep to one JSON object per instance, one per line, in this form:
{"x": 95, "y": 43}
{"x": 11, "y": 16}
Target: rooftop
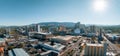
{"x": 110, "y": 54}
{"x": 17, "y": 52}
{"x": 2, "y": 40}
{"x": 48, "y": 52}
{"x": 31, "y": 40}
{"x": 94, "y": 44}
{"x": 64, "y": 37}
{"x": 56, "y": 46}
{"x": 40, "y": 33}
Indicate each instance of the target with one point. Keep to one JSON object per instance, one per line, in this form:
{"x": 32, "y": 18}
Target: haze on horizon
{"x": 23, "y": 12}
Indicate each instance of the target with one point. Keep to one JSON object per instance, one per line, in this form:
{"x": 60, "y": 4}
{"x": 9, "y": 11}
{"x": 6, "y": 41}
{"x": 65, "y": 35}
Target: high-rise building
{"x": 77, "y": 25}
{"x": 37, "y": 28}
{"x": 26, "y": 30}
{"x": 95, "y": 49}
{"x": 100, "y": 38}
{"x": 79, "y": 28}
{"x": 9, "y": 30}
{"x": 93, "y": 29}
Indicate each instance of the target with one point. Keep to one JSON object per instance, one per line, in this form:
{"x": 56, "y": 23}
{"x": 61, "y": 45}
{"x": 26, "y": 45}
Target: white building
{"x": 56, "y": 47}
{"x": 77, "y": 31}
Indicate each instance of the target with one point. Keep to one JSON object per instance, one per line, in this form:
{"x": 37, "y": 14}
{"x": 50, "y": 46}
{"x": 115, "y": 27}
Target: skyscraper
{"x": 77, "y": 25}
{"x": 26, "y": 30}
{"x": 37, "y": 28}
{"x": 100, "y": 35}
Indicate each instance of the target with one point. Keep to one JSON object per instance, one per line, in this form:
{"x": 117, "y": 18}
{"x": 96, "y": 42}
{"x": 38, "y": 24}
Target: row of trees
{"x": 114, "y": 29}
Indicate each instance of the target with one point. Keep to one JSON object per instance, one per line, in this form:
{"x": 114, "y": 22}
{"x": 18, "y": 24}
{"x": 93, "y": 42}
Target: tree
{"x": 15, "y": 34}
{"x": 93, "y": 38}
{"x": 52, "y": 43}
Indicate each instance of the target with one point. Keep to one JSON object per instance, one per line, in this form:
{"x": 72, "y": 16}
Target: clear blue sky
{"x": 22, "y": 12}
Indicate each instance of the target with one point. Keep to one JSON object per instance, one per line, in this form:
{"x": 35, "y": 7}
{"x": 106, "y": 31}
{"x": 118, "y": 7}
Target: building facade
{"x": 95, "y": 50}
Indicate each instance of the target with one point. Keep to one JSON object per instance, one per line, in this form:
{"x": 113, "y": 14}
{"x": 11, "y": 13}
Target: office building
{"x": 100, "y": 38}
{"x": 95, "y": 49}
{"x": 37, "y": 27}
{"x": 93, "y": 29}
{"x": 113, "y": 37}
{"x": 77, "y": 25}
{"x": 79, "y": 28}
{"x": 26, "y": 30}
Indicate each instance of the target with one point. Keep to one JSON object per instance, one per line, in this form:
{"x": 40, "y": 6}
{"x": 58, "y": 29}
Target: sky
{"x": 23, "y": 12}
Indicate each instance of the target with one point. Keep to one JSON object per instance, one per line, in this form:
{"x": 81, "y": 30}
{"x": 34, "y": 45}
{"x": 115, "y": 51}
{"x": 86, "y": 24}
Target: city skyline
{"x": 24, "y": 12}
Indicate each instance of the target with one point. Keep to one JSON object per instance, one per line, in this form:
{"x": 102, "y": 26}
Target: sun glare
{"x": 99, "y": 5}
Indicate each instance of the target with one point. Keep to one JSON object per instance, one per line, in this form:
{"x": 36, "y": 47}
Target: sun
{"x": 99, "y": 5}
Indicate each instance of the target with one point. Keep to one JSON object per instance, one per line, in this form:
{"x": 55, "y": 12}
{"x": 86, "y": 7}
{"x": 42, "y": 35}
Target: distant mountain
{"x": 66, "y": 24}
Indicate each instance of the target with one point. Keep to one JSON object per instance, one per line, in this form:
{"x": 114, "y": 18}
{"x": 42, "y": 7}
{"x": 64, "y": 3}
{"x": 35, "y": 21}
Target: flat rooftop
{"x": 94, "y": 44}
{"x": 17, "y": 52}
{"x": 64, "y": 37}
{"x": 55, "y": 46}
{"x": 41, "y": 33}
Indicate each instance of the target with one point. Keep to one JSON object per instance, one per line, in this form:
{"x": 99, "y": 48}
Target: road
{"x": 77, "y": 51}
{"x": 112, "y": 47}
{"x": 72, "y": 47}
